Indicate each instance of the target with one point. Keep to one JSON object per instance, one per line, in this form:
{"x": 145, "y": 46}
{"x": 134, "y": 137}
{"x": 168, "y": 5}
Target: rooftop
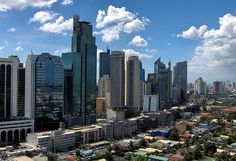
{"x": 155, "y": 157}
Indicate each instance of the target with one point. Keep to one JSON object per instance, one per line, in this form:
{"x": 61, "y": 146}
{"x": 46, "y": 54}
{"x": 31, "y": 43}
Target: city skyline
{"x": 201, "y": 33}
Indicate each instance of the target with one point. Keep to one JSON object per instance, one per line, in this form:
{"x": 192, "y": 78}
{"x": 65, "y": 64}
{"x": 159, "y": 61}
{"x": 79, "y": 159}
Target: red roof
{"x": 233, "y": 110}
{"x": 185, "y": 135}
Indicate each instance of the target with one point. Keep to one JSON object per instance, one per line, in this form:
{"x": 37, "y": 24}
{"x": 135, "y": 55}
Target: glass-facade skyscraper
{"x": 21, "y": 91}
{"x": 163, "y": 82}
{"x": 80, "y": 76}
{"x": 44, "y": 90}
{"x": 104, "y": 63}
{"x": 180, "y": 81}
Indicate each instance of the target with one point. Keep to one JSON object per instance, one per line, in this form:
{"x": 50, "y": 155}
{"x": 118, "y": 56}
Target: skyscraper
{"x": 180, "y": 81}
{"x": 117, "y": 79}
{"x": 104, "y": 63}
{"x": 218, "y": 87}
{"x": 104, "y": 88}
{"x": 133, "y": 86}
{"x": 80, "y": 75}
{"x": 8, "y": 86}
{"x": 200, "y": 86}
{"x": 152, "y": 80}
{"x": 21, "y": 91}
{"x": 44, "y": 80}
{"x": 142, "y": 73}
{"x": 163, "y": 81}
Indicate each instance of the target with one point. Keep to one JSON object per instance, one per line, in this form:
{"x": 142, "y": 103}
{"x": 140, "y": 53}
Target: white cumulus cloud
{"x": 4, "y": 45}
{"x": 19, "y": 47}
{"x": 193, "y": 32}
{"x": 115, "y": 20}
{"x": 43, "y": 16}
{"x": 67, "y": 2}
{"x": 52, "y": 22}
{"x": 135, "y": 25}
{"x": 114, "y": 15}
{"x": 60, "y": 25}
{"x": 12, "y": 29}
{"x": 139, "y": 41}
{"x": 111, "y": 33}
{"x": 58, "y": 52}
{"x": 131, "y": 52}
{"x": 216, "y": 56}
{"x": 6, "y": 5}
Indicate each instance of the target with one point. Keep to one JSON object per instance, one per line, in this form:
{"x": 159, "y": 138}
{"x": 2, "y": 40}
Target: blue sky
{"x": 203, "y": 32}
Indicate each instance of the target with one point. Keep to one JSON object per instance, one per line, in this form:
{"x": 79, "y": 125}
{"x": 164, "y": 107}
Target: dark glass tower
{"x": 180, "y": 80}
{"x": 163, "y": 82}
{"x": 104, "y": 63}
{"x": 80, "y": 76}
{"x": 21, "y": 91}
{"x": 44, "y": 90}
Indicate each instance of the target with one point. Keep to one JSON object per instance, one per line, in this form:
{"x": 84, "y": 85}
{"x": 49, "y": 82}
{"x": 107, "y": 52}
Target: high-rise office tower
{"x": 44, "y": 82}
{"x": 233, "y": 85}
{"x": 104, "y": 89}
{"x": 228, "y": 84}
{"x": 80, "y": 75}
{"x": 117, "y": 79}
{"x": 21, "y": 91}
{"x": 104, "y": 63}
{"x": 200, "y": 86}
{"x": 8, "y": 86}
{"x": 133, "y": 87}
{"x": 163, "y": 81}
{"x": 180, "y": 85}
{"x": 152, "y": 80}
{"x": 218, "y": 87}
{"x": 142, "y": 73}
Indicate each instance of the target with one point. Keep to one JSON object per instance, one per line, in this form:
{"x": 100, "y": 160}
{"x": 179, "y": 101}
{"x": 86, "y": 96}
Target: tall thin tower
{"x": 80, "y": 65}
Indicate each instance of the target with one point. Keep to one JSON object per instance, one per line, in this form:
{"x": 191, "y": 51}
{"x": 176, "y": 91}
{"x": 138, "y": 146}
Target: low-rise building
{"x": 15, "y": 129}
{"x": 88, "y": 134}
{"x": 58, "y": 140}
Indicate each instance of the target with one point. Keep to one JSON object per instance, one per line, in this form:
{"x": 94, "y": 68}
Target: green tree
{"x": 141, "y": 158}
{"x": 52, "y": 157}
{"x": 223, "y": 156}
{"x": 174, "y": 134}
{"x": 29, "y": 154}
{"x": 131, "y": 146}
{"x": 230, "y": 140}
{"x": 143, "y": 142}
{"x": 188, "y": 157}
{"x": 117, "y": 150}
{"x": 173, "y": 150}
{"x": 108, "y": 156}
{"x": 77, "y": 153}
{"x": 197, "y": 154}
{"x": 209, "y": 148}
{"x": 78, "y": 158}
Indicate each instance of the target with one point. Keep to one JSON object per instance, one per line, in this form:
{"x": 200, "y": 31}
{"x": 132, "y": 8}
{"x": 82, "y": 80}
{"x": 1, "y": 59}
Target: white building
{"x": 58, "y": 140}
{"x": 88, "y": 134}
{"x": 150, "y": 103}
{"x": 15, "y": 130}
{"x": 117, "y": 113}
{"x": 200, "y": 86}
{"x": 8, "y": 86}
